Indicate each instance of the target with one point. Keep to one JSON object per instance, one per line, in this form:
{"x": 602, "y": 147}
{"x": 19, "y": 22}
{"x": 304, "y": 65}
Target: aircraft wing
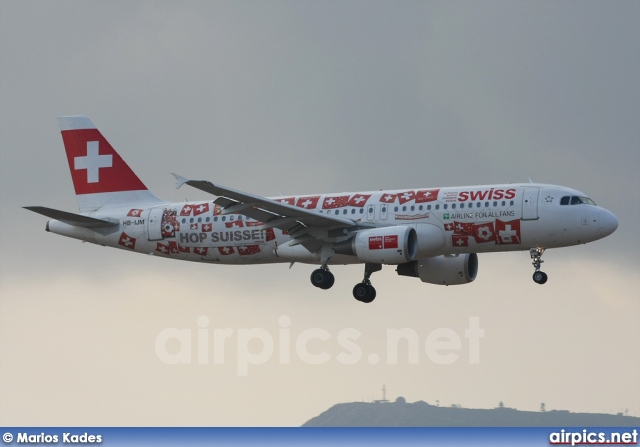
{"x": 71, "y": 218}
{"x": 293, "y": 219}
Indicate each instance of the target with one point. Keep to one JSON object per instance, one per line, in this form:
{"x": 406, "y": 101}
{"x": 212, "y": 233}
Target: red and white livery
{"x": 429, "y": 233}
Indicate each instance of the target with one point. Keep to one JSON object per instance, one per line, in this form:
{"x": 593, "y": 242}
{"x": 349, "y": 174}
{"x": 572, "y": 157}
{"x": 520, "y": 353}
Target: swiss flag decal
{"x": 308, "y": 202}
{"x": 428, "y": 195}
{"x": 161, "y": 248}
{"x": 95, "y": 166}
{"x": 334, "y": 202}
{"x": 508, "y": 232}
{"x": 225, "y": 251}
{"x": 463, "y": 228}
{"x": 288, "y": 200}
{"x": 388, "y": 198}
{"x": 202, "y": 251}
{"x": 235, "y": 223}
{"x": 200, "y": 209}
{"x": 173, "y": 248}
{"x": 127, "y": 241}
{"x": 134, "y": 213}
{"x": 460, "y": 240}
{"x": 186, "y": 210}
{"x": 359, "y": 200}
{"x": 249, "y": 250}
{"x": 404, "y": 197}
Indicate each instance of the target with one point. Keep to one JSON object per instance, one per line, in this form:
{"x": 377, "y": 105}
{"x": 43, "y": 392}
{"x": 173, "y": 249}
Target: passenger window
{"x": 337, "y": 212}
{"x": 511, "y": 203}
{"x": 429, "y": 207}
{"x": 444, "y": 207}
{"x": 184, "y": 220}
{"x": 504, "y": 203}
{"x": 437, "y": 207}
{"x": 413, "y": 208}
{"x": 453, "y": 206}
{"x": 486, "y": 204}
{"x": 199, "y": 219}
{"x": 462, "y": 205}
{"x": 361, "y": 210}
{"x": 478, "y": 205}
{"x": 344, "y": 211}
{"x": 191, "y": 220}
{"x": 420, "y": 208}
{"x": 404, "y": 208}
{"x": 215, "y": 219}
{"x": 208, "y": 219}
{"x": 395, "y": 209}
{"x": 495, "y": 204}
{"x": 224, "y": 218}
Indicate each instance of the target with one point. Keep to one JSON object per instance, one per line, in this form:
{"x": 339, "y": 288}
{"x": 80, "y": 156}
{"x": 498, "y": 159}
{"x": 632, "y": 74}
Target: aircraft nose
{"x": 608, "y": 223}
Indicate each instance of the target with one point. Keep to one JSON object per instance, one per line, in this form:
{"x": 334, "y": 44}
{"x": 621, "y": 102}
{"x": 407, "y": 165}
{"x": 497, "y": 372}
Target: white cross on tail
{"x": 93, "y": 162}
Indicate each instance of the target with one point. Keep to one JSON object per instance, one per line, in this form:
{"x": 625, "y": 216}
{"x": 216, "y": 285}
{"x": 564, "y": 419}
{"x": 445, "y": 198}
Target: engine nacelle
{"x": 445, "y": 270}
{"x": 387, "y": 245}
{"x": 430, "y": 239}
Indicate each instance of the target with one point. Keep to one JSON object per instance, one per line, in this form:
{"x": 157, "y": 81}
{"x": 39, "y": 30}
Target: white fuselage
{"x": 473, "y": 219}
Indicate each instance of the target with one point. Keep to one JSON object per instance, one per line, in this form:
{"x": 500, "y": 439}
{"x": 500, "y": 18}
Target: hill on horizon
{"x": 421, "y": 414}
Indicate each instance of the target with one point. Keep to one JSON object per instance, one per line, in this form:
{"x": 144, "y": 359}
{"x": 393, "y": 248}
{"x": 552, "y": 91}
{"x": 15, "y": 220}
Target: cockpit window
{"x": 576, "y": 200}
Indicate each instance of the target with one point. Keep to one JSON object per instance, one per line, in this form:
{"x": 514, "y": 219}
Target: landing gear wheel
{"x": 540, "y": 277}
{"x": 323, "y": 279}
{"x": 365, "y": 293}
{"x": 536, "y": 260}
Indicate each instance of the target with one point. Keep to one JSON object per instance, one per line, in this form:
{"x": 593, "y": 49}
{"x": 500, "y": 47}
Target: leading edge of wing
{"x": 267, "y": 209}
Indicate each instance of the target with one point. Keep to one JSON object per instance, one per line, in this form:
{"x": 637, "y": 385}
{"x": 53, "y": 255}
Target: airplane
{"x": 433, "y": 234}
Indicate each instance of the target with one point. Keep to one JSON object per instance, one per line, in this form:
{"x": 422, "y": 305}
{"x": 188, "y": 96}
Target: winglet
{"x": 180, "y": 180}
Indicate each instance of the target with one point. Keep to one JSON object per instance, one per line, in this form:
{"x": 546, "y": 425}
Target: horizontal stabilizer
{"x": 71, "y": 218}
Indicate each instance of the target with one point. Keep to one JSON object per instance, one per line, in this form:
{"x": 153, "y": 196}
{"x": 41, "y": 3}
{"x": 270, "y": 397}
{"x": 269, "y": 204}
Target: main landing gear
{"x": 364, "y": 291}
{"x": 322, "y": 278}
{"x": 536, "y": 257}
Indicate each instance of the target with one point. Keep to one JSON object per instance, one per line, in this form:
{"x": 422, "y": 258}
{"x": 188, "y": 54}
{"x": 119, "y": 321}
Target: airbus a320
{"x": 433, "y": 234}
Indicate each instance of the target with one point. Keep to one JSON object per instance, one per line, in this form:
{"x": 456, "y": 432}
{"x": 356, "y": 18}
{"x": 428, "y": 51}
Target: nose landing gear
{"x": 539, "y": 277}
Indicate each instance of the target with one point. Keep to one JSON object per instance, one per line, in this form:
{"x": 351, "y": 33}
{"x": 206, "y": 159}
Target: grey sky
{"x": 303, "y": 97}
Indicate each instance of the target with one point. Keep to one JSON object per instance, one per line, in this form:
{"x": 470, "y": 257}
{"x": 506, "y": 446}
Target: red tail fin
{"x": 100, "y": 176}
